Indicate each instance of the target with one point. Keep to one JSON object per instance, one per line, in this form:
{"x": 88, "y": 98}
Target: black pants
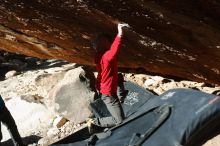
{"x": 7, "y": 119}
{"x": 114, "y": 106}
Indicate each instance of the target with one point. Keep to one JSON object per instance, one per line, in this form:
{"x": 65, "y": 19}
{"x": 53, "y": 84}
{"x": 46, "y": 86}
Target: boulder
{"x": 72, "y": 95}
{"x": 11, "y": 74}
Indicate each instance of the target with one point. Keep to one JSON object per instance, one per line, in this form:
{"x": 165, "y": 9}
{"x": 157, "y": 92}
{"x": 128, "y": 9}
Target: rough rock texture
{"x": 179, "y": 38}
{"x": 72, "y": 95}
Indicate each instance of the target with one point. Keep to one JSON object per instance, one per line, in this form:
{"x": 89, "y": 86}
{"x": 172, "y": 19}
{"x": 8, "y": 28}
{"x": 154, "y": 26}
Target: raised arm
{"x": 115, "y": 45}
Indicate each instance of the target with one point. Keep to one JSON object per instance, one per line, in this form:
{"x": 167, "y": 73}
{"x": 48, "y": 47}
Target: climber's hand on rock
{"x": 120, "y": 26}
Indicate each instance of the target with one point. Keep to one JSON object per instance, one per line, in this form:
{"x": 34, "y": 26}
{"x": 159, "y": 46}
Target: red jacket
{"x": 107, "y": 68}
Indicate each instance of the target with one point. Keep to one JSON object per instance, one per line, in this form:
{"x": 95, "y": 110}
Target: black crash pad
{"x": 193, "y": 115}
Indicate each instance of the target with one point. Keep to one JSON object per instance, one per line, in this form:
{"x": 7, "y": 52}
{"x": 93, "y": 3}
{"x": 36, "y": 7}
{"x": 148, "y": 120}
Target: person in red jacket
{"x": 107, "y": 79}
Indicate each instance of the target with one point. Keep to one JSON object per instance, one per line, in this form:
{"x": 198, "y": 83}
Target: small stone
{"x": 59, "y": 121}
{"x": 153, "y": 43}
{"x": 10, "y": 74}
{"x": 149, "y": 82}
{"x": 157, "y": 78}
{"x": 43, "y": 141}
{"x": 200, "y": 84}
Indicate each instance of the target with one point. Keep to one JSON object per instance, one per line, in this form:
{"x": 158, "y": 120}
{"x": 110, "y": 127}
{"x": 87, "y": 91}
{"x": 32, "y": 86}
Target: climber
{"x": 7, "y": 119}
{"x": 107, "y": 79}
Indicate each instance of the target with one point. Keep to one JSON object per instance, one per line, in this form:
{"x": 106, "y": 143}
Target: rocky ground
{"x": 25, "y": 85}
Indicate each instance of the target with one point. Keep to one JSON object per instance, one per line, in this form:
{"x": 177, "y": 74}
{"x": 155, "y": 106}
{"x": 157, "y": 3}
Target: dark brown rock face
{"x": 180, "y": 38}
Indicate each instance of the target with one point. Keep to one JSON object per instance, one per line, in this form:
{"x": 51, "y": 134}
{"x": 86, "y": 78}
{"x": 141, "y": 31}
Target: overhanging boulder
{"x": 179, "y": 38}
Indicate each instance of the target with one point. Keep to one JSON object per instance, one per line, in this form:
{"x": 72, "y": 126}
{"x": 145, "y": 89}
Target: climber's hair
{"x": 102, "y": 42}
